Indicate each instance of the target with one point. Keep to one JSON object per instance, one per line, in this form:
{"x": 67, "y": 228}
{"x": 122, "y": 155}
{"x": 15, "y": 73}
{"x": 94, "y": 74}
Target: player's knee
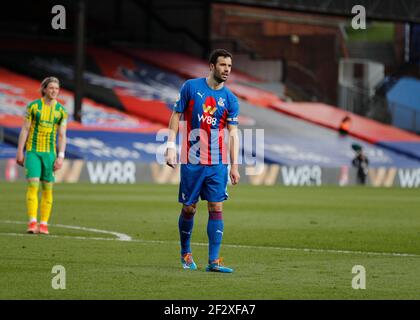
{"x": 190, "y": 209}
{"x": 32, "y": 182}
{"x": 47, "y": 186}
{"x": 215, "y": 206}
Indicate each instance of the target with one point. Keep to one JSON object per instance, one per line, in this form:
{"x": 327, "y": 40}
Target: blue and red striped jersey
{"x": 206, "y": 113}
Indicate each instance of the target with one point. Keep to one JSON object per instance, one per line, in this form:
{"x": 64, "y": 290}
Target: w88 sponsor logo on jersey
{"x": 207, "y": 119}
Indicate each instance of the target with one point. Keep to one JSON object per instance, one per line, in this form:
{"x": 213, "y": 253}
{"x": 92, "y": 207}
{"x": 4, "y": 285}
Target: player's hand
{"x": 234, "y": 174}
{"x": 58, "y": 163}
{"x": 170, "y": 157}
{"x": 20, "y": 159}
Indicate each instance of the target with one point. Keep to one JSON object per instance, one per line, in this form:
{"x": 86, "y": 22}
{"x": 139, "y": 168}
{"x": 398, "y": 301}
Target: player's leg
{"x": 215, "y": 229}
{"x": 32, "y": 204}
{"x": 46, "y": 206}
{"x": 47, "y": 181}
{"x": 214, "y": 191}
{"x": 185, "y": 227}
{"x": 189, "y": 191}
{"x": 33, "y": 173}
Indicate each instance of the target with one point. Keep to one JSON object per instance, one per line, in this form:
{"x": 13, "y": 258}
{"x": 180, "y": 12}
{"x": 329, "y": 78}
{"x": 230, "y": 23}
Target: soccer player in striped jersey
{"x": 44, "y": 118}
{"x": 207, "y": 107}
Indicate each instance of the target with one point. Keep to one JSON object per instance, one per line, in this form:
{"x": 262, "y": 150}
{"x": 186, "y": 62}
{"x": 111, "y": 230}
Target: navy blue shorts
{"x": 207, "y": 182}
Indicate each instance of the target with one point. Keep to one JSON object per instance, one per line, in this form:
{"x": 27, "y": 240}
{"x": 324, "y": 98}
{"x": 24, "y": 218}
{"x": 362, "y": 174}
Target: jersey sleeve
{"x": 233, "y": 113}
{"x": 63, "y": 118}
{"x": 29, "y": 111}
{"x": 183, "y": 98}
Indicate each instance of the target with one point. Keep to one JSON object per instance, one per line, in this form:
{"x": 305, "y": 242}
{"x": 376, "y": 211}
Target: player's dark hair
{"x": 46, "y": 82}
{"x": 218, "y": 53}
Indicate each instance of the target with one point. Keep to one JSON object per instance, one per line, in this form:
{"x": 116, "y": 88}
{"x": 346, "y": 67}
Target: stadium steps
{"x": 318, "y": 113}
{"x": 291, "y": 141}
{"x": 190, "y": 67}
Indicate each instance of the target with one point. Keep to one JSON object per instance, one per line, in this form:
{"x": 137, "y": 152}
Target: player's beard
{"x": 218, "y": 78}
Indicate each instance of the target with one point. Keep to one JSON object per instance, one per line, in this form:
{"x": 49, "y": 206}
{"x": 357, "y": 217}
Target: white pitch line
{"x": 124, "y": 237}
{"x": 394, "y": 254}
{"x": 59, "y": 236}
{"x": 120, "y": 236}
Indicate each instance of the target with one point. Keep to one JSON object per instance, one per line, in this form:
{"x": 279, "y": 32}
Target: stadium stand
{"x": 100, "y": 135}
{"x": 291, "y": 141}
{"x": 191, "y": 67}
{"x": 145, "y": 83}
{"x": 318, "y": 113}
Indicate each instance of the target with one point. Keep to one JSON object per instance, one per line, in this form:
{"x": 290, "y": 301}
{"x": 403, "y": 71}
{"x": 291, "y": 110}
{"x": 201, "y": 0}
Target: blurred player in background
{"x": 207, "y": 107}
{"x": 38, "y": 134}
{"x": 361, "y": 162}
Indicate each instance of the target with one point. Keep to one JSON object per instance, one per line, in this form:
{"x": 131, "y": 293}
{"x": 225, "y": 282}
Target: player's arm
{"x": 179, "y": 107}
{"x": 61, "y": 145}
{"x": 23, "y": 136}
{"x": 234, "y": 153}
{"x": 171, "y": 145}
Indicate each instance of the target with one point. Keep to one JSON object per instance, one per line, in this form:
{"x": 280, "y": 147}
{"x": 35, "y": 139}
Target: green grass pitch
{"x": 283, "y": 242}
